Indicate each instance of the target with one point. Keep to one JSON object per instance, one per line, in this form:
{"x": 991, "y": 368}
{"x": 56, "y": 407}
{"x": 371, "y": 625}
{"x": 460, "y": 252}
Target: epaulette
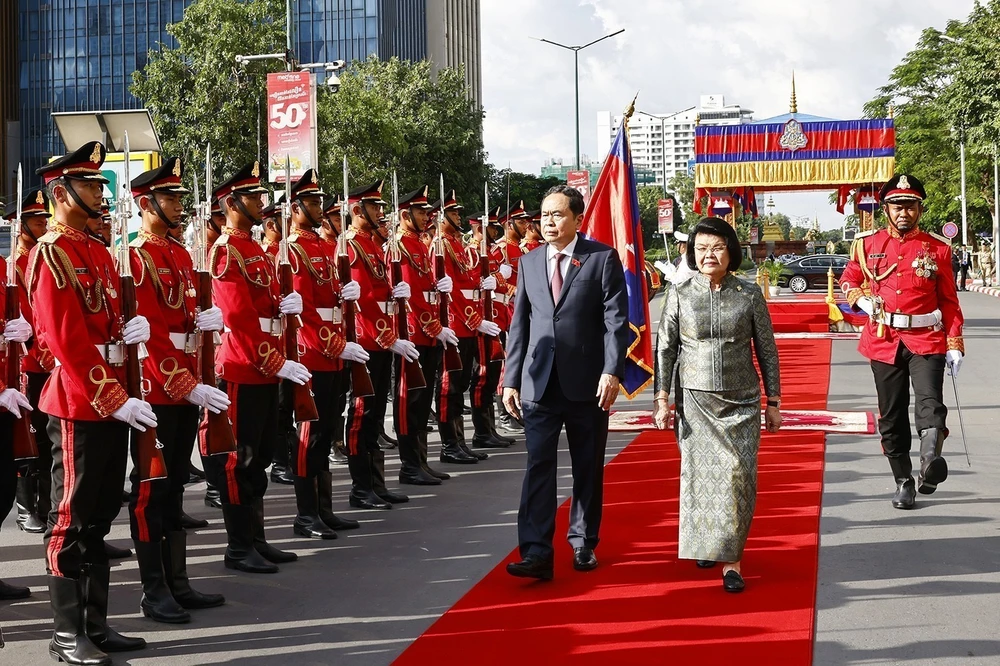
{"x": 939, "y": 238}
{"x": 865, "y": 233}
{"x": 49, "y": 237}
{"x": 223, "y": 240}
{"x": 292, "y": 238}
{"x": 138, "y": 241}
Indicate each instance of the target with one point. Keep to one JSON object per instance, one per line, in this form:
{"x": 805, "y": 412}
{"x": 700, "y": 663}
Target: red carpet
{"x": 800, "y": 314}
{"x": 642, "y": 605}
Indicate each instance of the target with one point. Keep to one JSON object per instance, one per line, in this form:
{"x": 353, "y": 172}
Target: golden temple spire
{"x": 793, "y": 105}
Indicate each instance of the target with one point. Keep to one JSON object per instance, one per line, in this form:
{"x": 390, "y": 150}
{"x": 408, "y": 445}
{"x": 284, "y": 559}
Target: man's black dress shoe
{"x": 704, "y": 564}
{"x": 584, "y": 559}
{"x": 8, "y": 591}
{"x": 906, "y": 493}
{"x": 531, "y": 566}
{"x": 283, "y": 475}
{"x": 733, "y": 581}
{"x": 190, "y": 523}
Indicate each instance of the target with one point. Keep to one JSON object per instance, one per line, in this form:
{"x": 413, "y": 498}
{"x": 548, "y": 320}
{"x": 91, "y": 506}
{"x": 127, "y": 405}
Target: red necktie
{"x": 557, "y": 278}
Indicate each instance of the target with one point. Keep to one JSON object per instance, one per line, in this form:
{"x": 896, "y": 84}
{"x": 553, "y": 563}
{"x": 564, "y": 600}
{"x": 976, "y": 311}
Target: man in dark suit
{"x": 565, "y": 355}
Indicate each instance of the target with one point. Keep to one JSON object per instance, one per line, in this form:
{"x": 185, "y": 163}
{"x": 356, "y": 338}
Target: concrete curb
{"x": 989, "y": 291}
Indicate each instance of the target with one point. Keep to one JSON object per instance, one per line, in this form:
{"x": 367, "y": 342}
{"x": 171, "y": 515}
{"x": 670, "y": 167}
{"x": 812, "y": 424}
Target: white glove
{"x": 401, "y": 290}
{"x": 488, "y": 283}
{"x": 406, "y": 349}
{"x": 489, "y": 328}
{"x": 506, "y": 270}
{"x": 209, "y": 320}
{"x": 209, "y": 397}
{"x": 137, "y": 413}
{"x": 445, "y": 285}
{"x": 295, "y": 372}
{"x": 351, "y": 291}
{"x": 447, "y": 337}
{"x": 17, "y": 330}
{"x": 865, "y": 304}
{"x": 355, "y": 353}
{"x": 136, "y": 331}
{"x": 953, "y": 360}
{"x": 291, "y": 304}
{"x": 14, "y": 401}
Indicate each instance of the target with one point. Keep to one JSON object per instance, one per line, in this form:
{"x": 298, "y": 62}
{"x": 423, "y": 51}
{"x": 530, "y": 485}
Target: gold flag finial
{"x": 630, "y": 109}
{"x": 793, "y": 105}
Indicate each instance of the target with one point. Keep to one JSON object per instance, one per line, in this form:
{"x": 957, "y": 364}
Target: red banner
{"x": 291, "y": 123}
{"x": 581, "y": 181}
{"x": 665, "y": 216}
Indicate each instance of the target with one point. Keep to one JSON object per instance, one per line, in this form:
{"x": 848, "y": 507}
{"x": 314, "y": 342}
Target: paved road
{"x": 895, "y": 588}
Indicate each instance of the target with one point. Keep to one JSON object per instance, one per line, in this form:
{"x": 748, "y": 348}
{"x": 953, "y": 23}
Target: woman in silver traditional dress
{"x": 705, "y": 334}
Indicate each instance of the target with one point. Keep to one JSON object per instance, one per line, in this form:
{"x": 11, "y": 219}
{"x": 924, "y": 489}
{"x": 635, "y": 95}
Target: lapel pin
{"x": 575, "y": 262}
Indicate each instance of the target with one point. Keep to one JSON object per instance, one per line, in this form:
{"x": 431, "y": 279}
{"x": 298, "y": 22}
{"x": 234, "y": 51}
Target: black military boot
{"x": 933, "y": 468}
{"x": 70, "y": 642}
{"x": 103, "y": 636}
{"x": 483, "y": 437}
{"x": 115, "y": 553}
{"x": 307, "y": 521}
{"x": 411, "y": 472}
{"x": 451, "y": 452}
{"x": 270, "y": 553}
{"x": 422, "y": 448}
{"x": 157, "y": 602}
{"x": 378, "y": 480}
{"x": 362, "y": 494}
{"x": 906, "y": 495}
{"x": 192, "y": 523}
{"x": 240, "y": 553}
{"x": 175, "y": 569}
{"x": 507, "y": 422}
{"x": 28, "y": 518}
{"x": 324, "y": 497}
{"x": 213, "y": 498}
{"x": 460, "y": 433}
{"x": 9, "y": 592}
{"x": 495, "y": 407}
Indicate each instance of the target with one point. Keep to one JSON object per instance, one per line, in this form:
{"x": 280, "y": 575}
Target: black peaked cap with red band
{"x": 307, "y": 185}
{"x": 245, "y": 181}
{"x": 372, "y": 193}
{"x": 902, "y": 188}
{"x": 84, "y": 163}
{"x": 35, "y": 203}
{"x": 415, "y": 199}
{"x": 450, "y": 202}
{"x": 331, "y": 204}
{"x": 167, "y": 178}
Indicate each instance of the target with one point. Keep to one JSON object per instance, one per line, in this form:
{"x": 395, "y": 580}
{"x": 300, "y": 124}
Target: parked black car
{"x": 810, "y": 271}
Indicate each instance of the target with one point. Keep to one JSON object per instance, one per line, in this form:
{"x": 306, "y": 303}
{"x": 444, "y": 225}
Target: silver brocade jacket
{"x": 707, "y": 335}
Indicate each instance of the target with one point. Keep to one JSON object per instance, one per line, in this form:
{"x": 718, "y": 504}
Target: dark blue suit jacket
{"x": 584, "y": 335}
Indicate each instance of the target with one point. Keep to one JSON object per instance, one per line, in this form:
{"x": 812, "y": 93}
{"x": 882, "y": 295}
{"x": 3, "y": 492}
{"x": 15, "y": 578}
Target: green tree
{"x": 525, "y": 187}
{"x": 682, "y": 187}
{"x": 197, "y": 93}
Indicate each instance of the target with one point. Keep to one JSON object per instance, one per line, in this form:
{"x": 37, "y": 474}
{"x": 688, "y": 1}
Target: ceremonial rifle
{"x": 219, "y": 438}
{"x": 150, "y": 454}
{"x": 495, "y": 351}
{"x": 361, "y": 380}
{"x": 304, "y": 404}
{"x": 452, "y": 359}
{"x": 414, "y": 373}
{"x": 24, "y": 443}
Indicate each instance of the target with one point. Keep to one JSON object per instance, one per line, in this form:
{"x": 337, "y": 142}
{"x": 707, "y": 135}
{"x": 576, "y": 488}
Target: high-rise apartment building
{"x": 663, "y": 144}
{"x": 79, "y": 55}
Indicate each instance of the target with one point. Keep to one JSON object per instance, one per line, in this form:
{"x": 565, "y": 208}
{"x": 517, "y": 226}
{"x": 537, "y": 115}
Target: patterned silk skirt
{"x": 719, "y": 434}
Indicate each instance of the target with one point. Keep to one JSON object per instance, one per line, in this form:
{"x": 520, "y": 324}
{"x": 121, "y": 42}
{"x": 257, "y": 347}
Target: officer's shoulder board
{"x": 138, "y": 241}
{"x": 864, "y": 234}
{"x": 293, "y": 238}
{"x": 223, "y": 239}
{"x": 938, "y": 238}
{"x": 49, "y": 237}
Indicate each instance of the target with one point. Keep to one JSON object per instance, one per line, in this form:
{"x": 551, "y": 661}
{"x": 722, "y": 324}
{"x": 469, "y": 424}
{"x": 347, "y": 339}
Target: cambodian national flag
{"x": 612, "y": 218}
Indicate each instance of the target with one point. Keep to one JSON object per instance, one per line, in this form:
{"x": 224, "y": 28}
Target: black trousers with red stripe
{"x": 453, "y": 385}
{"x": 8, "y": 470}
{"x": 241, "y": 476}
{"x": 485, "y": 375}
{"x": 41, "y": 466}
{"x": 155, "y": 506}
{"x": 366, "y": 416}
{"x": 413, "y": 406}
{"x": 89, "y": 459}
{"x": 311, "y": 454}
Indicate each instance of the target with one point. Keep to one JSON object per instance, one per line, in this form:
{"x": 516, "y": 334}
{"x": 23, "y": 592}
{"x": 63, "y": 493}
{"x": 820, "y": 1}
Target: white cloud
{"x": 672, "y": 51}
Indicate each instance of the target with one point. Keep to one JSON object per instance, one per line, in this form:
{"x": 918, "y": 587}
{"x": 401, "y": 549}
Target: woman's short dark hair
{"x": 715, "y": 226}
{"x": 573, "y": 194}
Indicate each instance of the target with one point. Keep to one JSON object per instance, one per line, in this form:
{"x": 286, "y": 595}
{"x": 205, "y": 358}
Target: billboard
{"x": 580, "y": 180}
{"x": 665, "y": 216}
{"x": 291, "y": 123}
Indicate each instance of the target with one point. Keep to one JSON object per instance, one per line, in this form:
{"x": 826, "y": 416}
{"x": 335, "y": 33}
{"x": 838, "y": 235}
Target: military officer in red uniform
{"x": 900, "y": 276}
{"x": 366, "y": 414}
{"x": 33, "y": 480}
{"x": 329, "y": 233}
{"x": 332, "y": 224}
{"x": 74, "y": 293}
{"x": 468, "y": 323}
{"x": 503, "y": 263}
{"x": 532, "y": 232}
{"x": 249, "y": 365}
{"x": 165, "y": 288}
{"x": 324, "y": 350}
{"x": 413, "y": 406}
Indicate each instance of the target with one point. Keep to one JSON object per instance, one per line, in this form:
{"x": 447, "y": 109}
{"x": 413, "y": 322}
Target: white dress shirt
{"x": 550, "y": 258}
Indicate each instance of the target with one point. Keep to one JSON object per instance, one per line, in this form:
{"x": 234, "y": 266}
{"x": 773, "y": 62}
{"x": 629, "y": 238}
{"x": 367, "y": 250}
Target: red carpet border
{"x": 643, "y": 605}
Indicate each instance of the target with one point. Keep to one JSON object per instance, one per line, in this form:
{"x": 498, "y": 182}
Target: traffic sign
{"x": 949, "y": 230}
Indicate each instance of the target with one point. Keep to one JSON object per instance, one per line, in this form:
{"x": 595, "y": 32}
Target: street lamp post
{"x": 576, "y": 78}
{"x": 965, "y": 210}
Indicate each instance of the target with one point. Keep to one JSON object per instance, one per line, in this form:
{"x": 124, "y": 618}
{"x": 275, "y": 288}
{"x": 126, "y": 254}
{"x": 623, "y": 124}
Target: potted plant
{"x": 773, "y": 269}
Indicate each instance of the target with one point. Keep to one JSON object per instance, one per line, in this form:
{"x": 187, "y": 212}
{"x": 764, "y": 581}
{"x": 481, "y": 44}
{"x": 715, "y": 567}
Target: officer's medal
{"x": 924, "y": 265}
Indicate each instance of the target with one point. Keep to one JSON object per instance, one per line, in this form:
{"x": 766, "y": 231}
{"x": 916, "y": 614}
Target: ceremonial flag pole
{"x": 612, "y": 218}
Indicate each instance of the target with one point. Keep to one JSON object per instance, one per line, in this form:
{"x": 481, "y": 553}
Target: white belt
{"x": 185, "y": 342}
{"x": 329, "y": 314}
{"x": 472, "y": 294}
{"x": 432, "y": 296}
{"x": 114, "y": 354}
{"x": 905, "y": 321}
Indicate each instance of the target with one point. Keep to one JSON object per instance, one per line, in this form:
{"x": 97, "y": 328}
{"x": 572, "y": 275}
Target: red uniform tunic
{"x": 246, "y": 289}
{"x": 375, "y": 331}
{"x": 74, "y": 291}
{"x": 423, "y": 318}
{"x": 314, "y": 277}
{"x": 529, "y": 245}
{"x": 164, "y": 280}
{"x": 39, "y": 358}
{"x": 912, "y": 275}
{"x": 466, "y": 310}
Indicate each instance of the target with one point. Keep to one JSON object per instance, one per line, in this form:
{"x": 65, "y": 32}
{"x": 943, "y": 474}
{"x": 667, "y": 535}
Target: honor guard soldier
{"x": 532, "y": 232}
{"x": 332, "y": 225}
{"x": 503, "y": 299}
{"x": 249, "y": 364}
{"x": 281, "y": 472}
{"x": 900, "y": 276}
{"x": 413, "y": 406}
{"x": 165, "y": 288}
{"x": 468, "y": 324}
{"x": 323, "y": 351}
{"x": 34, "y": 482}
{"x": 270, "y": 230}
{"x": 366, "y": 414}
{"x": 329, "y": 232}
{"x": 74, "y": 293}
